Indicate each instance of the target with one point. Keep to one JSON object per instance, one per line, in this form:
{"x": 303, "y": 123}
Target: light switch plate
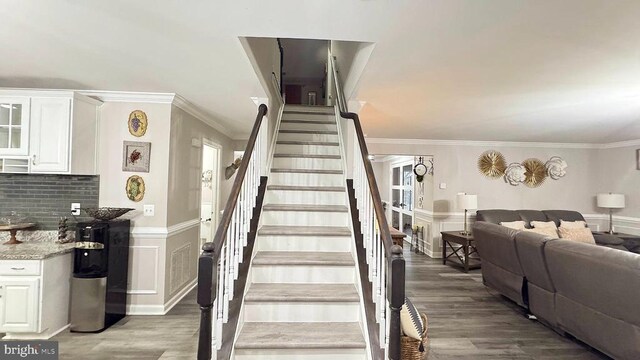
{"x": 75, "y": 209}
{"x": 443, "y": 186}
{"x": 149, "y": 210}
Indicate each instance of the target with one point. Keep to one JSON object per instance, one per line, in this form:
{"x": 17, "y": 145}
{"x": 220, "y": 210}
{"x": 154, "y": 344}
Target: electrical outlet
{"x": 443, "y": 186}
{"x": 149, "y": 210}
{"x": 75, "y": 209}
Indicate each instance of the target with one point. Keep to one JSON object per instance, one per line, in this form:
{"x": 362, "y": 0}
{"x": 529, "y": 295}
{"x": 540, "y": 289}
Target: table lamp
{"x": 467, "y": 202}
{"x": 610, "y": 201}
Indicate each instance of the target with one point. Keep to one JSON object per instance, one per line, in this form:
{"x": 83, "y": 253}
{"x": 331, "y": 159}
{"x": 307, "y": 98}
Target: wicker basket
{"x": 410, "y": 347}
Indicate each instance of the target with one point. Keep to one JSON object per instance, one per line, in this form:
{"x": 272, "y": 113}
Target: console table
{"x": 467, "y": 247}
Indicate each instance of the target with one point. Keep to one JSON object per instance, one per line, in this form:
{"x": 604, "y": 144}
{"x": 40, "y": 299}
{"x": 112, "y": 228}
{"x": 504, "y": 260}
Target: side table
{"x": 460, "y": 255}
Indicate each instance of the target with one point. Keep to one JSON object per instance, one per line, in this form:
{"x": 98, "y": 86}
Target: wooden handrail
{"x": 208, "y": 260}
{"x": 219, "y": 237}
{"x": 395, "y": 260}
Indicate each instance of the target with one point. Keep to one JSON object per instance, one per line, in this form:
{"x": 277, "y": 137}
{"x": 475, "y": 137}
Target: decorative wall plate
{"x": 556, "y": 167}
{"x": 138, "y": 123}
{"x": 535, "y": 172}
{"x": 492, "y": 164}
{"x": 135, "y": 188}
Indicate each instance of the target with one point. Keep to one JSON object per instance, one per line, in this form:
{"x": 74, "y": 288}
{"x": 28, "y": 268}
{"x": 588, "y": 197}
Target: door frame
{"x": 400, "y": 164}
{"x": 215, "y": 181}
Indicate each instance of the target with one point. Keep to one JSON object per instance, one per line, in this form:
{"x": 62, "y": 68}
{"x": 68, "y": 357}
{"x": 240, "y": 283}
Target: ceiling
{"x": 504, "y": 70}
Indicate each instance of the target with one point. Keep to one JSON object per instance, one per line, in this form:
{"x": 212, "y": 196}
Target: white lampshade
{"x": 611, "y": 201}
{"x": 467, "y": 201}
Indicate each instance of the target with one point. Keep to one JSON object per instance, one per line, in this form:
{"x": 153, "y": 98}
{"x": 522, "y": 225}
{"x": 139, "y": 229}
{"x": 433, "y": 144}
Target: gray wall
{"x": 457, "y": 167}
{"x": 45, "y": 198}
{"x": 617, "y": 173}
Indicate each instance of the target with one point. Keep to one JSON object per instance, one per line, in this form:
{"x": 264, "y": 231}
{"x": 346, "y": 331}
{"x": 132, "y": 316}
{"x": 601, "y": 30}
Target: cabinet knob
{"x": 33, "y": 161}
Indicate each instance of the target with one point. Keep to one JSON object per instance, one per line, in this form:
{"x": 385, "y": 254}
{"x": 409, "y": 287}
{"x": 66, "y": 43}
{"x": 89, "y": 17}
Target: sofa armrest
{"x": 607, "y": 239}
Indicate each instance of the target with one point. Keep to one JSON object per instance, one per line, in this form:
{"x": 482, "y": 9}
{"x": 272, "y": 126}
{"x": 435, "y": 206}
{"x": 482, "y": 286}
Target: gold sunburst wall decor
{"x": 535, "y": 172}
{"x": 492, "y": 164}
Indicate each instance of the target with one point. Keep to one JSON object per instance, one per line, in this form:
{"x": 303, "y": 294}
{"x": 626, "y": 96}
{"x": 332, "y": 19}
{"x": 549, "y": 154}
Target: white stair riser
{"x": 303, "y": 243}
{"x": 308, "y": 137}
{"x": 302, "y": 179}
{"x": 301, "y": 311}
{"x": 297, "y": 354}
{"x": 307, "y": 163}
{"x": 305, "y": 218}
{"x": 305, "y": 197}
{"x": 296, "y": 116}
{"x": 303, "y": 274}
{"x": 307, "y": 126}
{"x": 307, "y": 149}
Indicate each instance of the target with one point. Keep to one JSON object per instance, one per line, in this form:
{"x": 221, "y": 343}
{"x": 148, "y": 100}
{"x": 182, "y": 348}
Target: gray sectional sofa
{"x": 589, "y": 291}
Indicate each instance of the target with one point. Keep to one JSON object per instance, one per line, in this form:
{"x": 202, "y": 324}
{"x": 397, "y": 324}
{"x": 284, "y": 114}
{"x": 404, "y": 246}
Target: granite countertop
{"x": 34, "y": 250}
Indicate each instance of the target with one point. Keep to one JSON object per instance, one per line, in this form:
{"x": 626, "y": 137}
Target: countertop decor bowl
{"x": 106, "y": 213}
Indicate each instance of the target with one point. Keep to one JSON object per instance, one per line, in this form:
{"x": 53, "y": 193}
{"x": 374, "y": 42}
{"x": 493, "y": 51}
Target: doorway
{"x": 210, "y": 191}
{"x": 402, "y": 196}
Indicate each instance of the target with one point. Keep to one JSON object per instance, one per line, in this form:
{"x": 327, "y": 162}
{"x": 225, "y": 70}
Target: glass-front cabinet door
{"x": 14, "y": 126}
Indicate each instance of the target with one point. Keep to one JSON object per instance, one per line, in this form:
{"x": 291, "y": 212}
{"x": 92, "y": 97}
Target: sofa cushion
{"x": 597, "y": 292}
{"x": 573, "y": 224}
{"x": 607, "y": 239}
{"x": 577, "y": 234}
{"x": 531, "y": 215}
{"x": 496, "y": 216}
{"x": 530, "y": 248}
{"x": 517, "y": 225}
{"x": 543, "y": 224}
{"x": 567, "y": 215}
{"x": 551, "y": 232}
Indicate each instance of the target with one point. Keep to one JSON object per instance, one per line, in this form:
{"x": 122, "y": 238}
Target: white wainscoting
{"x": 453, "y": 221}
{"x": 148, "y": 268}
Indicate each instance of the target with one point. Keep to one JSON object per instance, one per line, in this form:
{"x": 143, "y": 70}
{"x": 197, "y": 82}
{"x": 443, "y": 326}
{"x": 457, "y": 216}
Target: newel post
{"x": 207, "y": 277}
{"x": 395, "y": 291}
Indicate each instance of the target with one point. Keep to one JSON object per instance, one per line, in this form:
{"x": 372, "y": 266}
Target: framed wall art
{"x": 136, "y": 156}
{"x": 137, "y": 123}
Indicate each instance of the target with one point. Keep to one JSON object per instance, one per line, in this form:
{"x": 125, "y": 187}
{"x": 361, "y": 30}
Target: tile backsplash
{"x": 45, "y": 198}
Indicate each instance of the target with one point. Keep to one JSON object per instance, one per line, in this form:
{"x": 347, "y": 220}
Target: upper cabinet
{"x": 53, "y": 132}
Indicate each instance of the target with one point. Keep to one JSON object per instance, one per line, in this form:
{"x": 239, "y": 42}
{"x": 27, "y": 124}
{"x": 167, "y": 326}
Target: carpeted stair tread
{"x": 300, "y": 335}
{"x": 297, "y": 258}
{"x": 270, "y": 292}
{"x": 304, "y": 230}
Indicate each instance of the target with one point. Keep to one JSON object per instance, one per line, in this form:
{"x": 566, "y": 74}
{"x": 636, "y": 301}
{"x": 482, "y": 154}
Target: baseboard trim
{"x": 34, "y": 336}
{"x": 180, "y": 295}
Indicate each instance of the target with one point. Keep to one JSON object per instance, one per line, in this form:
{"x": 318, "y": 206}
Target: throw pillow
{"x": 578, "y": 234}
{"x": 547, "y": 231}
{"x": 410, "y": 320}
{"x": 573, "y": 224}
{"x": 518, "y": 225}
{"x": 544, "y": 224}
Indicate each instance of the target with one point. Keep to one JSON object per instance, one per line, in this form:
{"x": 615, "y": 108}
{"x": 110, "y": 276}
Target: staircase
{"x": 302, "y": 301}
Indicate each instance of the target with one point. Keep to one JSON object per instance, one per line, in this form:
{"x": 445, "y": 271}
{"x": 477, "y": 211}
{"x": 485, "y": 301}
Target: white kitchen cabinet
{"x": 14, "y": 125}
{"x": 34, "y": 297}
{"x": 58, "y": 132}
{"x": 18, "y": 304}
{"x": 49, "y": 135}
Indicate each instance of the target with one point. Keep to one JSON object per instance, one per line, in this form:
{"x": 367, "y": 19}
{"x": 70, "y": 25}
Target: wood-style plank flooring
{"x": 466, "y": 321}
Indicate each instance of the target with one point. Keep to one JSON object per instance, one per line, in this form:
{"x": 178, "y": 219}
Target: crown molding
{"x": 200, "y": 114}
{"x": 433, "y": 142}
{"x": 620, "y": 144}
{"x": 158, "y": 98}
{"x": 129, "y": 96}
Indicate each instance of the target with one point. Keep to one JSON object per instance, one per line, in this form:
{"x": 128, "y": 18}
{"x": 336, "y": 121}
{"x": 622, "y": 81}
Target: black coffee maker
{"x": 100, "y": 271}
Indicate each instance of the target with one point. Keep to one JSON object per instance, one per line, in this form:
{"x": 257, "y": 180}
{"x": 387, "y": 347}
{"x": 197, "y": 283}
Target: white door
{"x": 210, "y": 191}
{"x": 49, "y": 134}
{"x": 402, "y": 197}
{"x": 19, "y": 304}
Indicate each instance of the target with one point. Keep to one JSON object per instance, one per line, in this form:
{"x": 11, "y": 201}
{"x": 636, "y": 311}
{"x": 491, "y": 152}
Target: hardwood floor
{"x": 466, "y": 321}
